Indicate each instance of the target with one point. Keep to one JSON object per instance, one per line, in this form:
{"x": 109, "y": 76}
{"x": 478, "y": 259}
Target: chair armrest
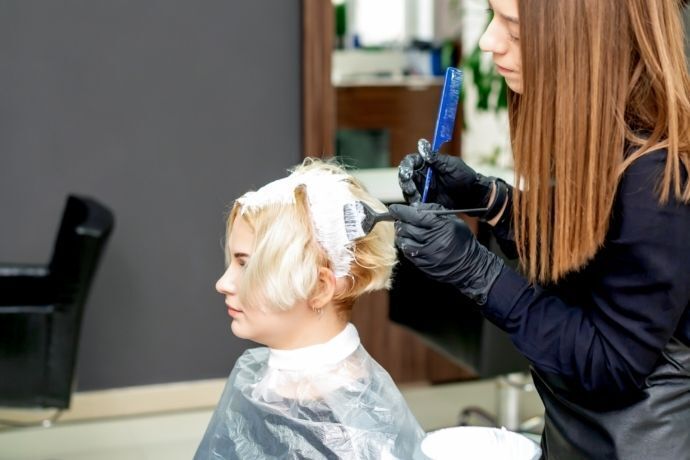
{"x": 24, "y": 270}
{"x": 26, "y": 309}
{"x": 25, "y": 285}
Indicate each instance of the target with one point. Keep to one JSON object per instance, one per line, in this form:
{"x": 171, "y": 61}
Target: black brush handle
{"x": 443, "y": 212}
{"x": 437, "y": 212}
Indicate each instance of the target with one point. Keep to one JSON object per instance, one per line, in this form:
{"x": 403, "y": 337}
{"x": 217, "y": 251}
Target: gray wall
{"x": 165, "y": 110}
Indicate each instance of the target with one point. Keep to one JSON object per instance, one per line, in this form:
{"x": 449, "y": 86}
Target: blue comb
{"x": 445, "y": 121}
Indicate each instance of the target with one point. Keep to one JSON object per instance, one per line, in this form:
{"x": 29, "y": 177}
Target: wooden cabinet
{"x": 407, "y": 108}
{"x": 406, "y": 358}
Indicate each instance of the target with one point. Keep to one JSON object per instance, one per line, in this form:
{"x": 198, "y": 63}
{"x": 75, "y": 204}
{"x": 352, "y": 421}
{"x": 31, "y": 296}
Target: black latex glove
{"x": 454, "y": 185}
{"x": 445, "y": 249}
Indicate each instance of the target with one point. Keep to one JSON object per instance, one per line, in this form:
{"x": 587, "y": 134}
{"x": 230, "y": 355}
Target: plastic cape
{"x": 329, "y": 401}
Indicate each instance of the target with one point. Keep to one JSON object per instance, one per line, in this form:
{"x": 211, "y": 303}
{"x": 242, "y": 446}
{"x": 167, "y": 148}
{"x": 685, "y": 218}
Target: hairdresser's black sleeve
{"x": 604, "y": 333}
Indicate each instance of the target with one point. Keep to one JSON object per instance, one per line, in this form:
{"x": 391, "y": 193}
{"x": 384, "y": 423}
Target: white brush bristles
{"x": 353, "y": 214}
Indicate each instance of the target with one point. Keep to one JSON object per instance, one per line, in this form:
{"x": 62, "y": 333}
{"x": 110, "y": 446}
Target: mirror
{"x": 484, "y": 140}
{"x": 387, "y": 78}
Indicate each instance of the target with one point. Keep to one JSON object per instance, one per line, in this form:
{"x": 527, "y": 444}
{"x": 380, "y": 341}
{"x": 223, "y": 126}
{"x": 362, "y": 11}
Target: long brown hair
{"x": 599, "y": 76}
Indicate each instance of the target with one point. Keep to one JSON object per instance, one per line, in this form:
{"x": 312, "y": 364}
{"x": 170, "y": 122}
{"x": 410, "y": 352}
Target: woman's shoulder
{"x": 648, "y": 162}
{"x": 642, "y": 176}
{"x": 638, "y": 207}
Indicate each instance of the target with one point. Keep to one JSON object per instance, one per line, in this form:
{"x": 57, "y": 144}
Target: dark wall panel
{"x": 165, "y": 110}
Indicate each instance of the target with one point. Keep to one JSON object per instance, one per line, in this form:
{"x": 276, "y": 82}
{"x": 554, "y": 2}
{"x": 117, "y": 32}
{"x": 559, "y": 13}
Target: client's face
{"x": 276, "y": 329}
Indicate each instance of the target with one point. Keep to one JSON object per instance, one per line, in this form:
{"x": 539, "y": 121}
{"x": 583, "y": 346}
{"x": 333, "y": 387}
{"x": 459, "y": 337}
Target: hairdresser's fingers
{"x": 416, "y": 215}
{"x": 452, "y": 166}
{"x": 421, "y": 254}
{"x": 411, "y": 162}
{"x": 409, "y": 248}
{"x": 407, "y": 184}
{"x": 411, "y": 177}
{"x": 410, "y": 193}
{"x": 410, "y": 166}
{"x": 411, "y": 233}
{"x": 424, "y": 149}
{"x": 438, "y": 161}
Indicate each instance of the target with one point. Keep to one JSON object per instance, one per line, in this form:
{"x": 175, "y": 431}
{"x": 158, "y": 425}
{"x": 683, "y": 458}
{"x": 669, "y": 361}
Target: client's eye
{"x": 239, "y": 259}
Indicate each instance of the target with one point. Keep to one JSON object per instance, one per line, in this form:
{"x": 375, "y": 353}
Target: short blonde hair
{"x": 286, "y": 259}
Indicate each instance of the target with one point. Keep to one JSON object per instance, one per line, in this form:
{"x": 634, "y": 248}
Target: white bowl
{"x": 478, "y": 443}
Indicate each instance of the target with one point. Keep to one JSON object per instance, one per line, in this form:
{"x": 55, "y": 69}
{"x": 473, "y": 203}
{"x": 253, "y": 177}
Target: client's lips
{"x": 233, "y": 311}
{"x": 503, "y": 70}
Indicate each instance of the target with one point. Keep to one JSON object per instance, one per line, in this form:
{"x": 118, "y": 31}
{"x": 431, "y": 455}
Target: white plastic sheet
{"x": 349, "y": 409}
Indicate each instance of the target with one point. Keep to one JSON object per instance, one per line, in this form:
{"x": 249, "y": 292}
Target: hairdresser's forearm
{"x": 605, "y": 327}
{"x": 604, "y": 349}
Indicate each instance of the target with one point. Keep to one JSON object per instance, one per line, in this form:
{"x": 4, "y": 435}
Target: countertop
{"x": 382, "y": 183}
{"x": 410, "y": 81}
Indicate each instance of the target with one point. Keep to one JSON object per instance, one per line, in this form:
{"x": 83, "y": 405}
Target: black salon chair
{"x": 41, "y": 309}
{"x": 451, "y": 324}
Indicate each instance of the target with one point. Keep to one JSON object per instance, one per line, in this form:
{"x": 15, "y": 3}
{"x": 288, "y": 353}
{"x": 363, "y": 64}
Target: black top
{"x": 603, "y": 328}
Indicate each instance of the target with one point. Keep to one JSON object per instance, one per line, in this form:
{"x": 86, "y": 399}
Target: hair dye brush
{"x": 360, "y": 218}
{"x": 445, "y": 121}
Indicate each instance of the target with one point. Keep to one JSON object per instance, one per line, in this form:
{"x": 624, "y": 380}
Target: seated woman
{"x": 292, "y": 278}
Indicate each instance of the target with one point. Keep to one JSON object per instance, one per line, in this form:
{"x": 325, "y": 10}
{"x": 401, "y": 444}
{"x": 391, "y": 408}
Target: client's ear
{"x": 325, "y": 289}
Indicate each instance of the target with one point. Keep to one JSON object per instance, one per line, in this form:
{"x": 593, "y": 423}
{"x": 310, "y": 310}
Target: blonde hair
{"x": 599, "y": 76}
{"x": 286, "y": 258}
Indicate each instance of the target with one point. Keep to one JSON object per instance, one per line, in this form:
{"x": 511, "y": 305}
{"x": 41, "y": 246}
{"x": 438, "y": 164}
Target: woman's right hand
{"x": 454, "y": 185}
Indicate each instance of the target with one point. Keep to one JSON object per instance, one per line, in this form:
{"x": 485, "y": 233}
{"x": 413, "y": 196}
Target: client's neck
{"x": 314, "y": 330}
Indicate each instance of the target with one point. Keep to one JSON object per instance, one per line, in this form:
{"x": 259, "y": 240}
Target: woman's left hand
{"x": 444, "y": 248}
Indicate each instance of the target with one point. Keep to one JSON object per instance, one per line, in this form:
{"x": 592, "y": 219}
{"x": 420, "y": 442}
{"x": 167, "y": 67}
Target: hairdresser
{"x": 600, "y": 130}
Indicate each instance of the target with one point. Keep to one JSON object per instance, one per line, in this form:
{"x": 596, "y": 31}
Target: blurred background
{"x": 167, "y": 110}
